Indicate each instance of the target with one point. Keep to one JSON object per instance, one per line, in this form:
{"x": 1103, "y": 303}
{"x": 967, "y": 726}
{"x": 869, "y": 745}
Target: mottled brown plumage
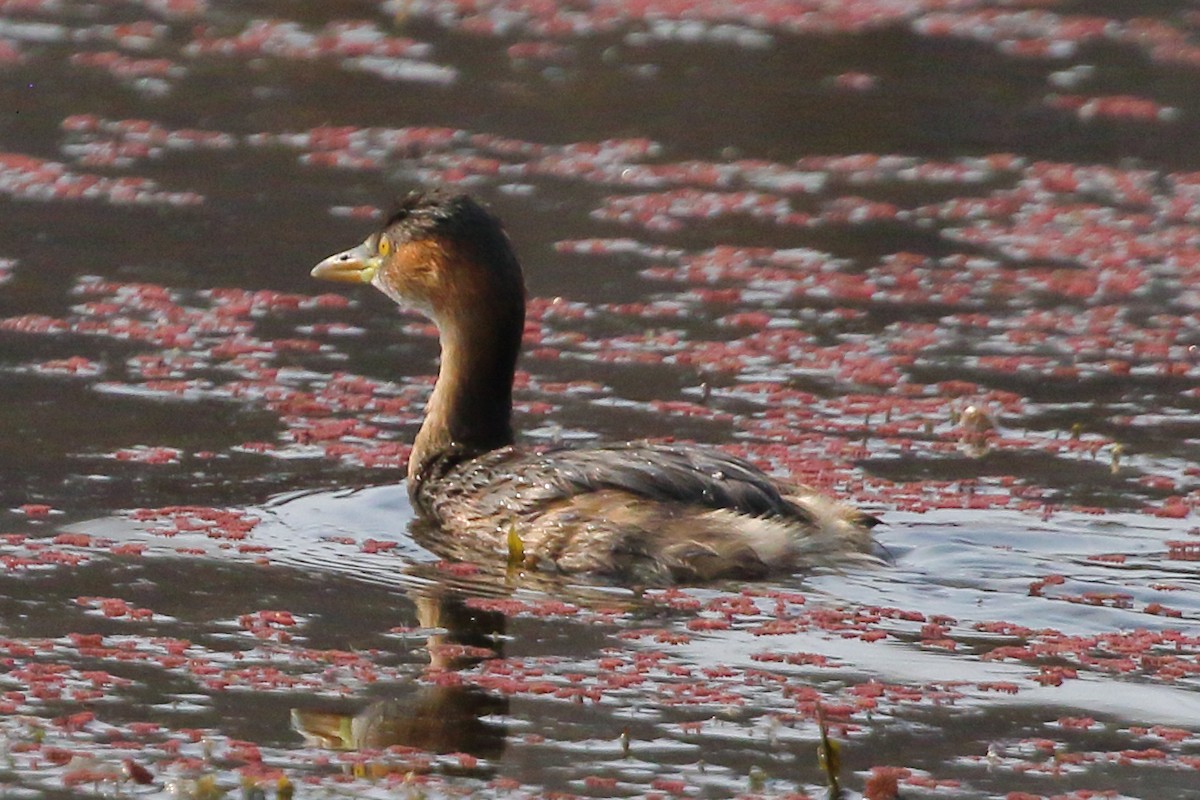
{"x": 649, "y": 513}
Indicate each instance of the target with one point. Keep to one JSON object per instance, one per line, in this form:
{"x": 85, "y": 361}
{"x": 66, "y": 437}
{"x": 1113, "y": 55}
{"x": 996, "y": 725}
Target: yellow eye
{"x": 384, "y": 248}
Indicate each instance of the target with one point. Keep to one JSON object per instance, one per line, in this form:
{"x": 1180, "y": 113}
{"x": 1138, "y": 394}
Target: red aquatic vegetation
{"x": 1121, "y": 107}
{"x": 114, "y": 607}
{"x": 1183, "y": 550}
{"x": 10, "y": 54}
{"x": 31, "y": 178}
{"x": 124, "y": 67}
{"x": 36, "y": 509}
{"x": 288, "y": 40}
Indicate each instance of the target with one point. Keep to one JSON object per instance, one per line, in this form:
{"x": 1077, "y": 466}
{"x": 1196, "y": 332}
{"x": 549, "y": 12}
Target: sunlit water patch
{"x": 1007, "y": 630}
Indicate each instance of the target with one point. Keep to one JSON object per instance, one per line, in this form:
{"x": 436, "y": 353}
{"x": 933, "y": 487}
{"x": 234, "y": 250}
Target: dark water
{"x": 942, "y": 263}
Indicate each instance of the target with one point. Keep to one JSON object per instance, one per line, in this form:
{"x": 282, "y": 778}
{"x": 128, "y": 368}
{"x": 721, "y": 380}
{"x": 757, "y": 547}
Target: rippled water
{"x": 940, "y": 262}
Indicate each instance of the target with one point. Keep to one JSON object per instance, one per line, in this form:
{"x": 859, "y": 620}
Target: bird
{"x": 640, "y": 512}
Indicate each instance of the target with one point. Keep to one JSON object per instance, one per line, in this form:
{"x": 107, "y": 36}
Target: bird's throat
{"x": 470, "y": 410}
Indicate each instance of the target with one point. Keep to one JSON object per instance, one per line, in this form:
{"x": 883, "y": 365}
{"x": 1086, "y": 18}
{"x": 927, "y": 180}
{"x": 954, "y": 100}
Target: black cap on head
{"x": 439, "y": 212}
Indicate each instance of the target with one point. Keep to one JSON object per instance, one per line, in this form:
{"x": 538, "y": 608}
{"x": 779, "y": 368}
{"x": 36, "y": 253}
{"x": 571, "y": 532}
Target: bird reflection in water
{"x": 438, "y": 718}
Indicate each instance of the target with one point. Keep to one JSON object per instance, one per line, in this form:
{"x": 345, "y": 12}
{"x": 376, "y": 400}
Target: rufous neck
{"x": 470, "y": 410}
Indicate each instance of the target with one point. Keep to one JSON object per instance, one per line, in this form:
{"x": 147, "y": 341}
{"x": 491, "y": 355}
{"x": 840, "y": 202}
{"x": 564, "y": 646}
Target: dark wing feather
{"x": 509, "y": 481}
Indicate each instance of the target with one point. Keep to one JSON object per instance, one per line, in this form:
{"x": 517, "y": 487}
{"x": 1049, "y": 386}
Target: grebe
{"x": 641, "y": 512}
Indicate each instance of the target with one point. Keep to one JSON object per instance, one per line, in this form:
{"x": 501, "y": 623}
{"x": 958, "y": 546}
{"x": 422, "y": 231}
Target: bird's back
{"x": 647, "y": 512}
